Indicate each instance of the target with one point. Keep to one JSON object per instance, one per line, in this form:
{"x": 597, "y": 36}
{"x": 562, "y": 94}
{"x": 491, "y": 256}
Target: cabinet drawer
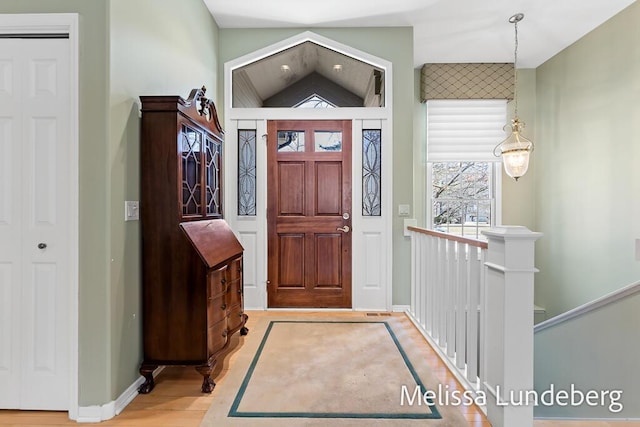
{"x": 235, "y": 318}
{"x": 217, "y": 282}
{"x": 216, "y": 309}
{"x": 234, "y": 293}
{"x": 234, "y": 269}
{"x": 217, "y": 336}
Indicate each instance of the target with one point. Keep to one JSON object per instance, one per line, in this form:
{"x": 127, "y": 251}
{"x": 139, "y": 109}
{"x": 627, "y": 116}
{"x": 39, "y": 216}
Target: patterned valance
{"x": 467, "y": 81}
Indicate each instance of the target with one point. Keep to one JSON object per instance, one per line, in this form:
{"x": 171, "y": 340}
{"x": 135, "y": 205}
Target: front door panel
{"x": 309, "y": 206}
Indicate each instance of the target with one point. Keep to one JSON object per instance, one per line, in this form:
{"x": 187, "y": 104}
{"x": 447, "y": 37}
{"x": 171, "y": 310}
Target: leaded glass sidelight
{"x": 371, "y": 172}
{"x": 213, "y": 165}
{"x": 246, "y": 172}
{"x": 191, "y": 146}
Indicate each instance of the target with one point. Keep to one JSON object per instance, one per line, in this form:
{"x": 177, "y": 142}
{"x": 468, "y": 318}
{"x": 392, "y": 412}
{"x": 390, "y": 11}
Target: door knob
{"x": 42, "y": 245}
{"x": 344, "y": 229}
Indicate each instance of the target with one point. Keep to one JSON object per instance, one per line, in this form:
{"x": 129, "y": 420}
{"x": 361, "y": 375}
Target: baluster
{"x": 431, "y": 277}
{"x": 482, "y": 362}
{"x": 473, "y": 314}
{"x": 414, "y": 276}
{"x": 451, "y": 298}
{"x": 462, "y": 305}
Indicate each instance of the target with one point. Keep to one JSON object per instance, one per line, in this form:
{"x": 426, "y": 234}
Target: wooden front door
{"x": 309, "y": 213}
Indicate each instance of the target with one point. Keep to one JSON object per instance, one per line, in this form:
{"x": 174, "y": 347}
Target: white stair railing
{"x": 473, "y": 302}
{"x": 447, "y": 286}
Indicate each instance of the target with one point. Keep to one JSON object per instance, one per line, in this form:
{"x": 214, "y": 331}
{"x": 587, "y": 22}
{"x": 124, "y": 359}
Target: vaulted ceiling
{"x": 444, "y": 30}
{"x": 271, "y": 75}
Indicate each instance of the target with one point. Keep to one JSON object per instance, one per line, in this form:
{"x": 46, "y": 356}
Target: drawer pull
{"x": 223, "y": 280}
{"x": 224, "y": 333}
{"x": 224, "y": 307}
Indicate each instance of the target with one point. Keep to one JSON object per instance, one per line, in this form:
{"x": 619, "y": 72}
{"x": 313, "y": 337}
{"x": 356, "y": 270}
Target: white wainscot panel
{"x": 43, "y": 78}
{"x": 45, "y": 153}
{"x": 44, "y": 317}
{"x": 374, "y": 271}
{"x": 6, "y": 78}
{"x": 6, "y": 317}
{"x": 253, "y": 294}
{"x": 7, "y": 175}
{"x": 248, "y": 241}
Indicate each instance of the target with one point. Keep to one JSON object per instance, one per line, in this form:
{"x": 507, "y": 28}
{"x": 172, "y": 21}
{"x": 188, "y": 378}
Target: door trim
{"x": 256, "y": 118}
{"x": 63, "y": 23}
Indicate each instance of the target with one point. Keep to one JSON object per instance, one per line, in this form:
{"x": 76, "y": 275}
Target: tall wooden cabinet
{"x": 191, "y": 261}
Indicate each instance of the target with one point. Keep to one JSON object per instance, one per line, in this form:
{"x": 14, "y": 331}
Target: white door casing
{"x": 372, "y": 259}
{"x": 38, "y": 213}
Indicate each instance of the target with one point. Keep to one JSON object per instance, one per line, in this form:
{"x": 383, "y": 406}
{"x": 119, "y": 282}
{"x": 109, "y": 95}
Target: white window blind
{"x": 464, "y": 129}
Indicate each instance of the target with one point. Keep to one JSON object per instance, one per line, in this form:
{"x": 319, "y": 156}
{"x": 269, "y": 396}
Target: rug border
{"x": 233, "y": 412}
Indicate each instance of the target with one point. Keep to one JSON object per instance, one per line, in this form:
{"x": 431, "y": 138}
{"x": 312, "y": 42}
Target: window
{"x": 462, "y": 197}
{"x": 314, "y": 101}
{"x": 463, "y": 175}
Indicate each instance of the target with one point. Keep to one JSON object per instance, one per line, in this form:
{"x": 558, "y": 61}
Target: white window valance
{"x": 464, "y": 130}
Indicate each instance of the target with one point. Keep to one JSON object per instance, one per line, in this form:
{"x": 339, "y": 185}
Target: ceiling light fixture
{"x": 337, "y": 68}
{"x": 515, "y": 149}
{"x": 285, "y": 68}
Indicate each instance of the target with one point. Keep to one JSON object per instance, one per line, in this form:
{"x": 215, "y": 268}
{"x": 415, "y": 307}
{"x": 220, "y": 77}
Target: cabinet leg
{"x": 207, "y": 383}
{"x": 244, "y": 330}
{"x": 147, "y": 372}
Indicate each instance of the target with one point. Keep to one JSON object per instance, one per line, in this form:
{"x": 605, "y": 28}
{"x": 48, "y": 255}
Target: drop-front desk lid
{"x": 213, "y": 240}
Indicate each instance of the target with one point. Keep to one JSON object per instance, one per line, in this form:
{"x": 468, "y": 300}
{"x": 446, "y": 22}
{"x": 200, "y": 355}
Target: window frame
{"x": 495, "y": 176}
{"x": 495, "y": 186}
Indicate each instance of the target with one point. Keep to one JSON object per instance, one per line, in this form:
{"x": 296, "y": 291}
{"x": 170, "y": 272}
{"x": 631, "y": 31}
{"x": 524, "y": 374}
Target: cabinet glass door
{"x": 191, "y": 147}
{"x": 213, "y": 158}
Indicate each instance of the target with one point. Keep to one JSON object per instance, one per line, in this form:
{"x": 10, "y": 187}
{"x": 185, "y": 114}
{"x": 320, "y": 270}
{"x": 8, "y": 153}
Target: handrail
{"x": 590, "y": 306}
{"x": 453, "y": 237}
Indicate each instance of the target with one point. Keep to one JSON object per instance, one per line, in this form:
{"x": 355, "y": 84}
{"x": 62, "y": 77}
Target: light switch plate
{"x": 404, "y": 210}
{"x": 131, "y": 210}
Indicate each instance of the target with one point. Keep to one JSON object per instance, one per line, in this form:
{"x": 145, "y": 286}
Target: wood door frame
{"x": 63, "y": 23}
{"x": 253, "y": 228}
{"x": 309, "y": 202}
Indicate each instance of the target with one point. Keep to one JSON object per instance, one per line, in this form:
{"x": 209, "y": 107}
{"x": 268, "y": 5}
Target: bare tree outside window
{"x": 462, "y": 197}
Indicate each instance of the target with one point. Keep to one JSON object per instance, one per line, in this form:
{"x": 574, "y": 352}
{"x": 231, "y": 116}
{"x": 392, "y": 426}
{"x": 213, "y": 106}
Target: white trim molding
{"x": 255, "y": 228}
{"x": 63, "y": 23}
{"x": 98, "y": 413}
{"x": 612, "y": 297}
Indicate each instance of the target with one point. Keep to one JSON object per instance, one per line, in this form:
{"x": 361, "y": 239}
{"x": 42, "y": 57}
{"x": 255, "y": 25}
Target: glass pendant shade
{"x": 515, "y": 150}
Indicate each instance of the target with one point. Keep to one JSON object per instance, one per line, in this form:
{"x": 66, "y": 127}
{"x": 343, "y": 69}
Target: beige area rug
{"x": 304, "y": 371}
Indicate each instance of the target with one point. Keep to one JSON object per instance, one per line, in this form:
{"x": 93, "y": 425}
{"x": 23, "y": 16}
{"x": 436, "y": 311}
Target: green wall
{"x": 587, "y": 175}
{"x": 394, "y": 45}
{"x": 594, "y": 351}
{"x": 156, "y": 49}
{"x": 518, "y": 197}
{"x": 141, "y": 57}
{"x": 93, "y": 347}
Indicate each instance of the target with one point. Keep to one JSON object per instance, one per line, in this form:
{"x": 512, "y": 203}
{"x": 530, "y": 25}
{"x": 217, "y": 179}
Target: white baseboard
{"x": 613, "y": 420}
{"x": 400, "y": 308}
{"x": 98, "y": 413}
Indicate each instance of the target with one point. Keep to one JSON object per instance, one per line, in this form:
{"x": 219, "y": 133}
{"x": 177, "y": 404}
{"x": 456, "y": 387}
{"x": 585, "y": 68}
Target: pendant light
{"x": 515, "y": 149}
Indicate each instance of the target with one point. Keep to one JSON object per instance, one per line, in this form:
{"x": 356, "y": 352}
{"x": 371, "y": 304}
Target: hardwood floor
{"x": 177, "y": 402}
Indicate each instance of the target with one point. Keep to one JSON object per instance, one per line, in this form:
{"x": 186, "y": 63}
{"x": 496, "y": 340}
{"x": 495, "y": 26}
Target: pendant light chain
{"x": 515, "y": 70}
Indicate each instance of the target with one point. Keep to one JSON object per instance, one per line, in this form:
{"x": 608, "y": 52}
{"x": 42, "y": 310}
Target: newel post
{"x": 508, "y": 331}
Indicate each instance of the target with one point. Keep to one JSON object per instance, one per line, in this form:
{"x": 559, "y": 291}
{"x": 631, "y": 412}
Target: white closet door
{"x": 34, "y": 225}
